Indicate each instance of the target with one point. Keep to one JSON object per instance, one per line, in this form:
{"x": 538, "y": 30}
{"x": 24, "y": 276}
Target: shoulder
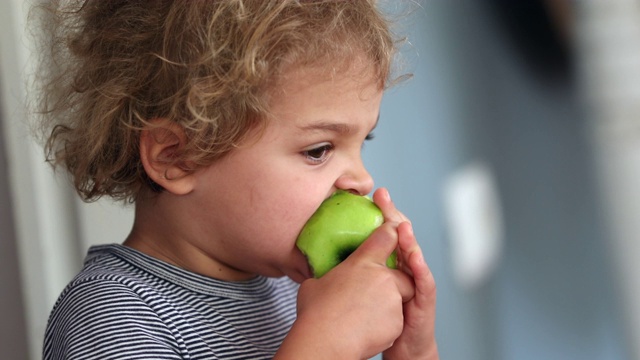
{"x": 105, "y": 280}
{"x": 98, "y": 295}
{"x": 104, "y": 310}
{"x": 108, "y": 286}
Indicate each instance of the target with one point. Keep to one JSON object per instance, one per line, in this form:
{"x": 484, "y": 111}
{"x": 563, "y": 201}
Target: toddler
{"x": 226, "y": 123}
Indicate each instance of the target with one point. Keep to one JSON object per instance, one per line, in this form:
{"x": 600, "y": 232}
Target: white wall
{"x": 609, "y": 33}
{"x": 48, "y": 220}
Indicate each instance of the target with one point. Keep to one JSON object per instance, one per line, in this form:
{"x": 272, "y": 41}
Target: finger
{"x": 407, "y": 245}
{"x": 413, "y": 260}
{"x": 405, "y": 284}
{"x": 424, "y": 281}
{"x": 382, "y": 198}
{"x": 379, "y": 246}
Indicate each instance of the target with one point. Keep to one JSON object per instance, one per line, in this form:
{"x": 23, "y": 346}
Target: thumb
{"x": 380, "y": 244}
{"x": 377, "y": 248}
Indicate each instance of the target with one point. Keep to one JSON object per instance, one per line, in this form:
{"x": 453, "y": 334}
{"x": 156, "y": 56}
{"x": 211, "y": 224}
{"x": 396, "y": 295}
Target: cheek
{"x": 279, "y": 199}
{"x": 290, "y": 211}
{"x": 285, "y": 213}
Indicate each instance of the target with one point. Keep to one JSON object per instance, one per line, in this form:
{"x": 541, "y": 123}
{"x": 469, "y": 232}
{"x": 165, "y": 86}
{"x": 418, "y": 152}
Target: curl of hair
{"x": 108, "y": 67}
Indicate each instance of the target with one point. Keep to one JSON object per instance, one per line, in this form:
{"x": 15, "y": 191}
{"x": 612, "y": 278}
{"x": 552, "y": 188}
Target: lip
{"x": 308, "y": 274}
{"x": 302, "y": 266}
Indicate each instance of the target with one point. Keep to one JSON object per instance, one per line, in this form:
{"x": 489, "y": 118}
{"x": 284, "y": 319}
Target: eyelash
{"x": 324, "y": 149}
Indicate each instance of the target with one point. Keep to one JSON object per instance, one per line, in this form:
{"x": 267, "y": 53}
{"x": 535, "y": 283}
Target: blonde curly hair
{"x": 109, "y": 67}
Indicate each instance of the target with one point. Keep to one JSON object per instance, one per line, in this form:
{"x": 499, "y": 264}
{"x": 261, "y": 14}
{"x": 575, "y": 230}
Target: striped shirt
{"x": 127, "y": 305}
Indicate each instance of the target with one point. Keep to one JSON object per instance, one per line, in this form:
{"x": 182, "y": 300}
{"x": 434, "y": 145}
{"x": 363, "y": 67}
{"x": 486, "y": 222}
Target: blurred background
{"x": 515, "y": 150}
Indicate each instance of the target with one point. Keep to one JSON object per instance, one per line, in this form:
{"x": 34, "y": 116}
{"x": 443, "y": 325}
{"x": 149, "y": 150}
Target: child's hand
{"x": 417, "y": 340}
{"x": 355, "y": 310}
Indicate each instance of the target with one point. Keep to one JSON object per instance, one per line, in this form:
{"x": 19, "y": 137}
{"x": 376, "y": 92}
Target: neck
{"x": 162, "y": 230}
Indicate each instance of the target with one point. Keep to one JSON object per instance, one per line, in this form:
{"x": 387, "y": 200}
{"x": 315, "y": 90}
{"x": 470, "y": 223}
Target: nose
{"x": 356, "y": 179}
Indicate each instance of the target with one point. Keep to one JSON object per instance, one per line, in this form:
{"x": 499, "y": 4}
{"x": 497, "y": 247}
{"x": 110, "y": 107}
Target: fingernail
{"x": 411, "y": 229}
{"x": 387, "y": 195}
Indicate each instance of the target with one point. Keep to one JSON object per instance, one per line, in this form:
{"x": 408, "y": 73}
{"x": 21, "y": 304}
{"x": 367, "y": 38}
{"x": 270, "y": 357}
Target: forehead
{"x": 320, "y": 100}
{"x": 323, "y": 98}
{"x": 355, "y": 75}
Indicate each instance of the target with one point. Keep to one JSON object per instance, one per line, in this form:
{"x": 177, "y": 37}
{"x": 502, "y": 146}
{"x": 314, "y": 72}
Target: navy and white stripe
{"x": 127, "y": 305}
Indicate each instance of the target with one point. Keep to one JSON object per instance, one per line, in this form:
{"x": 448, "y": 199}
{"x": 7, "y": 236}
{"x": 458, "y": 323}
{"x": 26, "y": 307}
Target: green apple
{"x": 342, "y": 222}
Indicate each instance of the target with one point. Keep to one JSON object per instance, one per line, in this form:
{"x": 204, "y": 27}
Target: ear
{"x": 160, "y": 143}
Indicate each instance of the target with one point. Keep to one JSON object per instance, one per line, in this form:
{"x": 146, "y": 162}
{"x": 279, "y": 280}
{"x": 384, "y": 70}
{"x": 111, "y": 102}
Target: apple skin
{"x": 341, "y": 223}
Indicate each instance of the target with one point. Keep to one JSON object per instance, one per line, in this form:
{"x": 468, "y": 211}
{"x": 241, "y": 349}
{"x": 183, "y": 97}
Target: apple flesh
{"x": 341, "y": 223}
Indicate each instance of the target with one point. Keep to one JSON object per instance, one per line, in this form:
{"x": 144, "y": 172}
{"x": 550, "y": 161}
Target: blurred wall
{"x": 13, "y": 333}
{"x": 40, "y": 205}
{"x": 608, "y": 34}
{"x": 485, "y": 90}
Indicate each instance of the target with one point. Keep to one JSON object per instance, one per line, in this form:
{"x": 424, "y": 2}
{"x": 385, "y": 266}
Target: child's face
{"x": 251, "y": 205}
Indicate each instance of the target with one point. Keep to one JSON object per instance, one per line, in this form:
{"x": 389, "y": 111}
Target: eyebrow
{"x": 337, "y": 127}
{"x": 340, "y": 128}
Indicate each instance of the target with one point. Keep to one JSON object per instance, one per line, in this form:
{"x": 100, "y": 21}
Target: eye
{"x": 318, "y": 154}
{"x": 370, "y": 136}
